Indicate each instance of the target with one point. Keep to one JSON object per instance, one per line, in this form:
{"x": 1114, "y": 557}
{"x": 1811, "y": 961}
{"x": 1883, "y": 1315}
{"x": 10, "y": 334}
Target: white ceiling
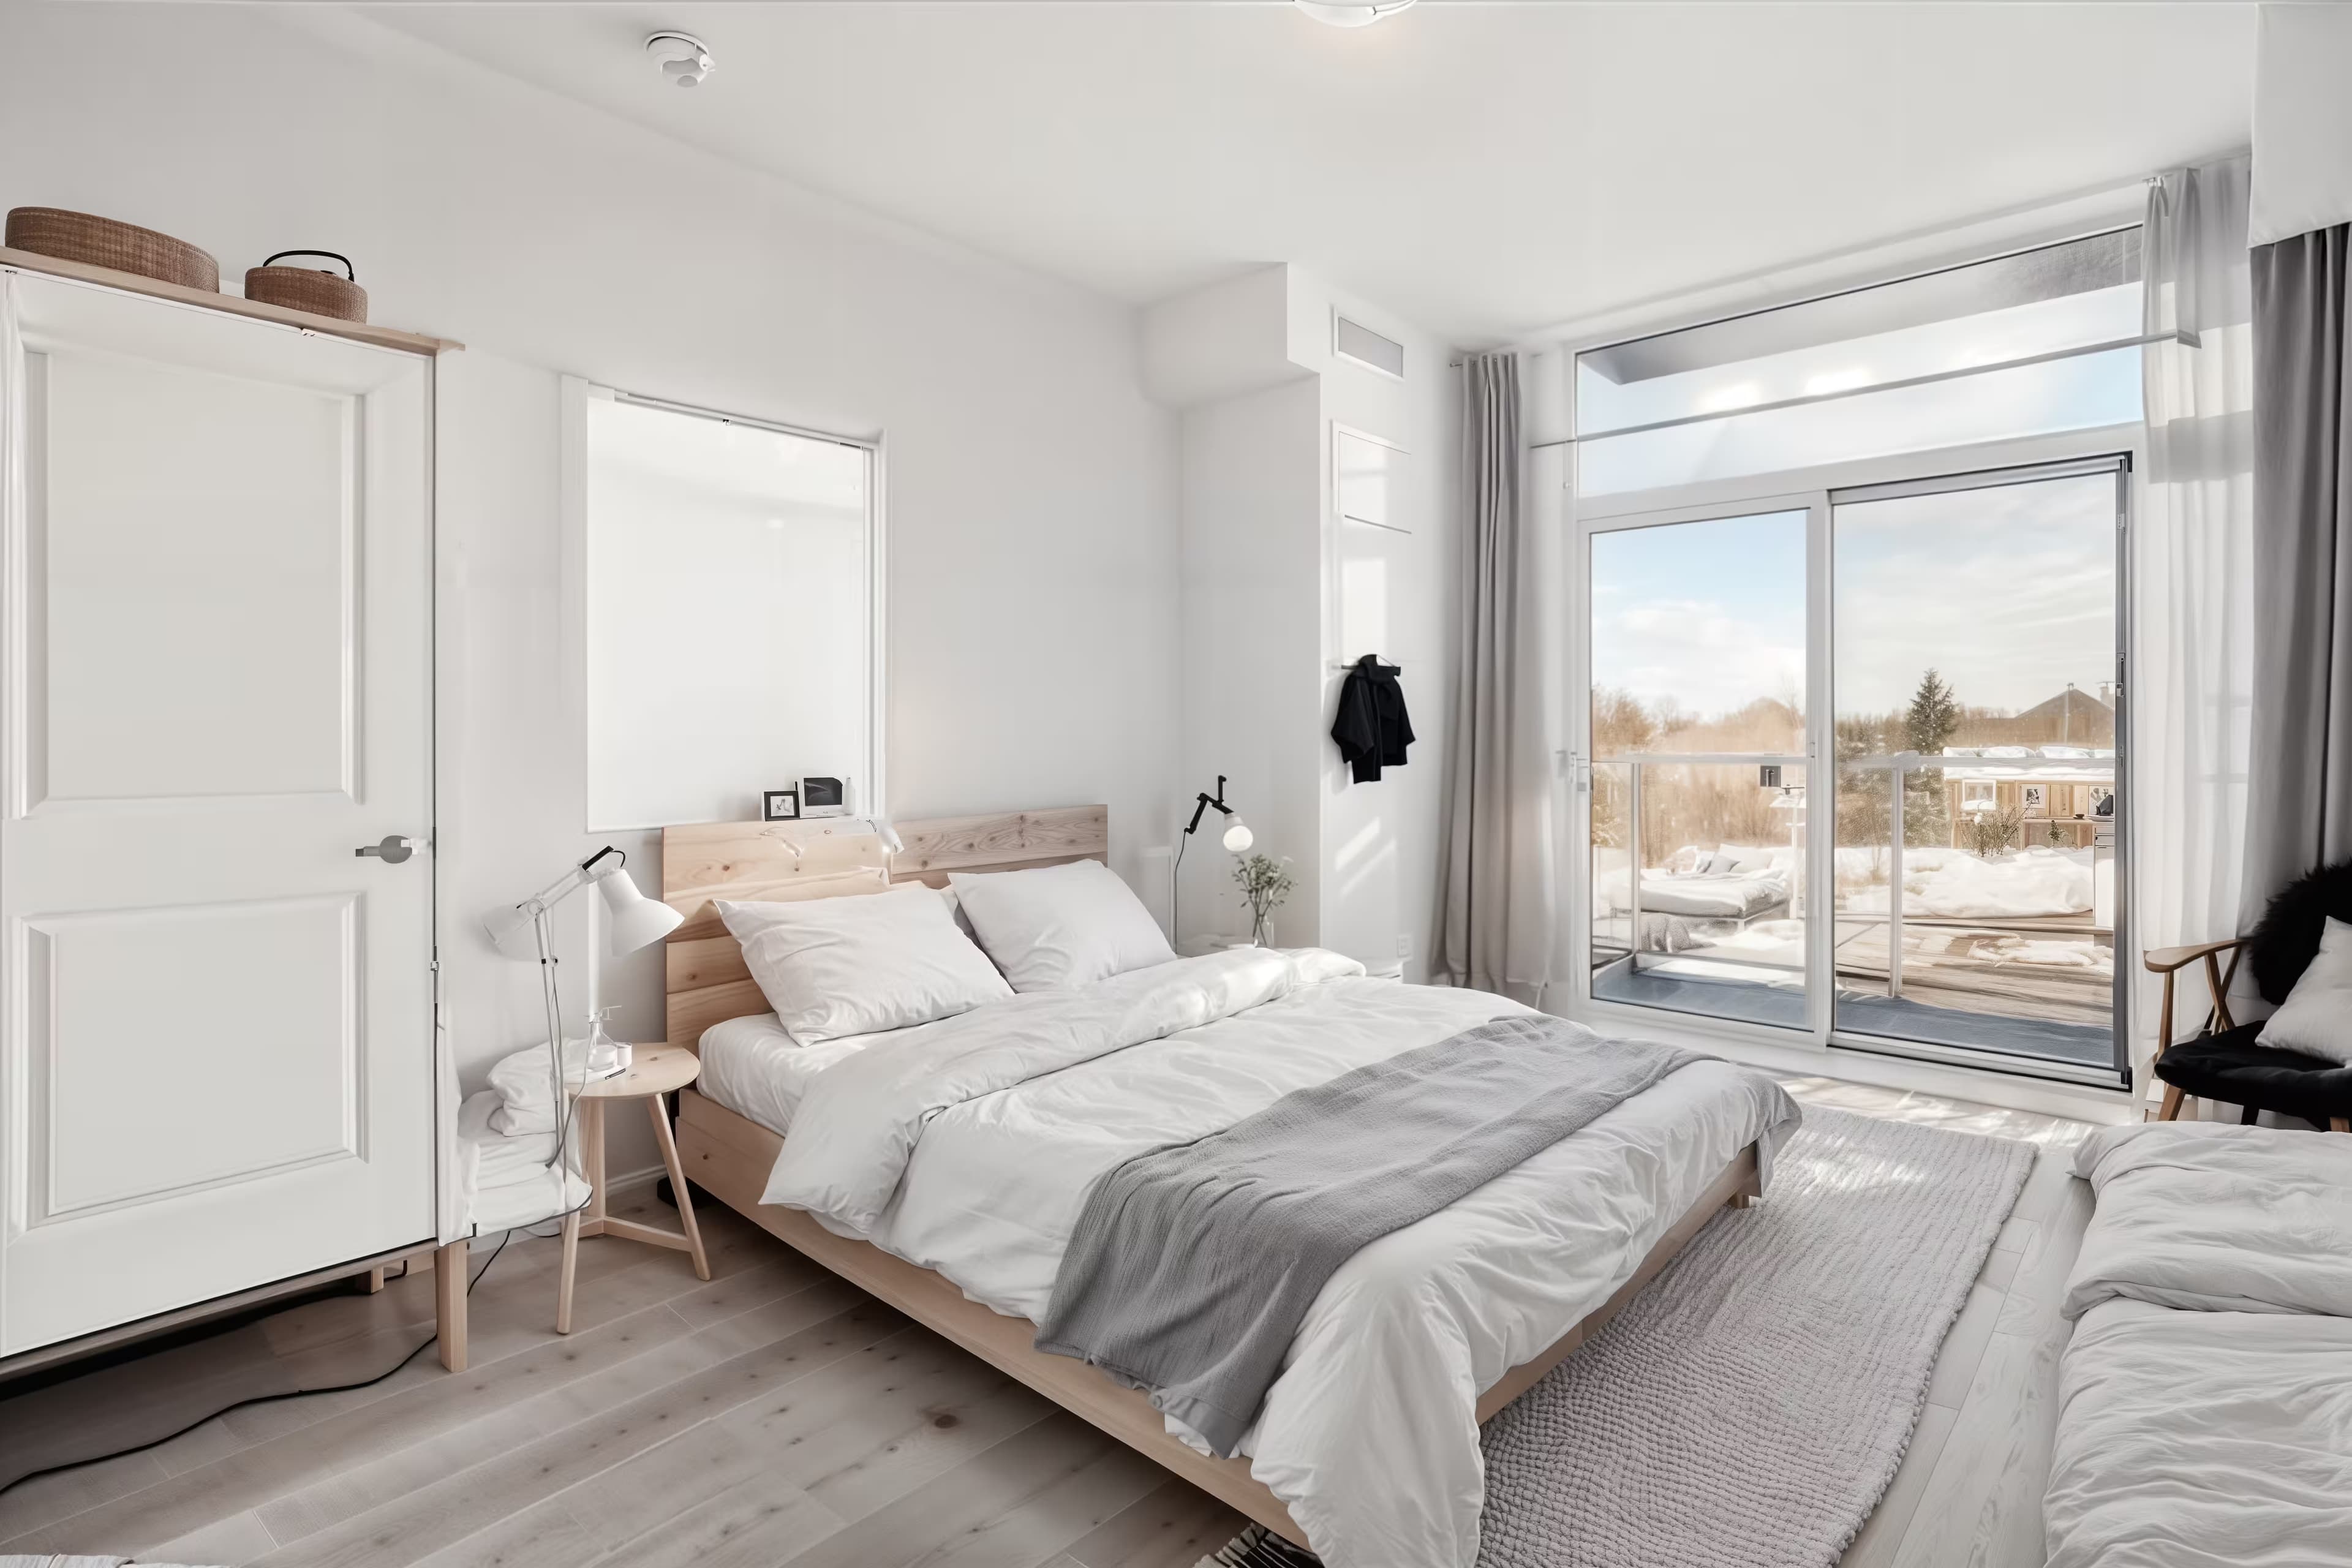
{"x": 1484, "y": 169}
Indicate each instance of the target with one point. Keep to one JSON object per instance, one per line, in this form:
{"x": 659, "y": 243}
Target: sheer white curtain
{"x": 2192, "y": 691}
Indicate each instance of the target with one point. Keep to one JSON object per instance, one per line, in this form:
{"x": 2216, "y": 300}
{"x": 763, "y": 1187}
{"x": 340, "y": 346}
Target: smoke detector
{"x": 1351, "y": 12}
{"x": 682, "y": 57}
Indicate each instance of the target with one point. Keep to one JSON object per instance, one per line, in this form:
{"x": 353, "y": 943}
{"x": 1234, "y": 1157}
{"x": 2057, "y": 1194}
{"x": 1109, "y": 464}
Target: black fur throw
{"x": 2286, "y": 939}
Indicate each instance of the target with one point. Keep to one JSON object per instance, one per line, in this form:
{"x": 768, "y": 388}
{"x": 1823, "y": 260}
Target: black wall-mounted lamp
{"x": 1237, "y": 838}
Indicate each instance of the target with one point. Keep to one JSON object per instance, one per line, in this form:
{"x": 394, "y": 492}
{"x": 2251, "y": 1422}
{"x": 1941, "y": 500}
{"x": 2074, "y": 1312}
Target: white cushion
{"x": 1060, "y": 926}
{"x": 2316, "y": 1018}
{"x": 861, "y": 964}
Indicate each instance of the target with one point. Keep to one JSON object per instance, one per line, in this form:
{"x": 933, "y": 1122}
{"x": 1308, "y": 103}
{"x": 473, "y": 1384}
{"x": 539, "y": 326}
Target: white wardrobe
{"x": 216, "y": 1061}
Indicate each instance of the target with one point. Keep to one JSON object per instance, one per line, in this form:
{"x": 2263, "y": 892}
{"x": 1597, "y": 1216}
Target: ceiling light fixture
{"x": 682, "y": 57}
{"x": 1351, "y": 12}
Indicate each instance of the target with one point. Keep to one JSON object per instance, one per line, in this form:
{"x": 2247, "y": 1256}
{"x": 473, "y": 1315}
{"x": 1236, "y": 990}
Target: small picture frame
{"x": 2037, "y": 799}
{"x": 822, "y": 796}
{"x": 779, "y": 806}
{"x": 2102, "y": 800}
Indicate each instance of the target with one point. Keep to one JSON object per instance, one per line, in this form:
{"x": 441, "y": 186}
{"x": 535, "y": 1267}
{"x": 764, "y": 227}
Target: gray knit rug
{"x": 1748, "y": 1409}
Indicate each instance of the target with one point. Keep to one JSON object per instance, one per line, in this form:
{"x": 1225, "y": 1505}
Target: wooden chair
{"x": 2225, "y": 1059}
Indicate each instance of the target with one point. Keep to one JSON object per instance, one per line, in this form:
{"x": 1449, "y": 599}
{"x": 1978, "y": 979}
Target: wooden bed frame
{"x": 730, "y": 1156}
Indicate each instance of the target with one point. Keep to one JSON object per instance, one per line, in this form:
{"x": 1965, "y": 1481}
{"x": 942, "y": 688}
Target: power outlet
{"x": 1404, "y": 945}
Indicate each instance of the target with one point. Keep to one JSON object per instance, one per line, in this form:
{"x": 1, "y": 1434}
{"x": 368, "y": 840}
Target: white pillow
{"x": 1060, "y": 926}
{"x": 2317, "y": 1016}
{"x": 861, "y": 964}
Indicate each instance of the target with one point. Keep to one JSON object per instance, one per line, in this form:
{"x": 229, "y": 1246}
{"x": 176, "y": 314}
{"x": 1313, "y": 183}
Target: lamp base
{"x": 608, "y": 1059}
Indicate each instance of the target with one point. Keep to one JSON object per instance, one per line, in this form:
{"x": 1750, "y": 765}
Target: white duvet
{"x": 2212, "y": 1217}
{"x": 2205, "y": 1414}
{"x": 968, "y": 1146}
{"x": 2203, "y": 1440}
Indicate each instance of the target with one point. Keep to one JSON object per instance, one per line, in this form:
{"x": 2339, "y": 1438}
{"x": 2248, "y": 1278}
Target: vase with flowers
{"x": 1265, "y": 882}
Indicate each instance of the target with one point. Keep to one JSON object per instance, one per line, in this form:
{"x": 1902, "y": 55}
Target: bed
{"x": 2205, "y": 1414}
{"x": 1710, "y": 896}
{"x": 1416, "y": 1340}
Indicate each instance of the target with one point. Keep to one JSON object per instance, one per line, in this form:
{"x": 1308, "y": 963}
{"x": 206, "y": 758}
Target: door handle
{"x": 391, "y": 851}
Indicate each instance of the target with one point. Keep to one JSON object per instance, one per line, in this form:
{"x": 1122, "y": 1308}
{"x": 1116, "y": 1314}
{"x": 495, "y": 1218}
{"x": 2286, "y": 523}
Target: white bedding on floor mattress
{"x": 2190, "y": 1439}
{"x": 2216, "y": 1217}
{"x": 968, "y": 1146}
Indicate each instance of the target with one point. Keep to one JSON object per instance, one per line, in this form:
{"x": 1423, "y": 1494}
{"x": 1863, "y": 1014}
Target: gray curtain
{"x": 1498, "y": 892}
{"x": 2299, "y": 805}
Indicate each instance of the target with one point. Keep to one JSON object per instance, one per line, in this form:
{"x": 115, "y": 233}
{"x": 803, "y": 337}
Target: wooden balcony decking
{"x": 1964, "y": 983}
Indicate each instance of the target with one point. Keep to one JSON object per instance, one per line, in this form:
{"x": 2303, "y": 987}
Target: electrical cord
{"x": 1176, "y": 895}
{"x": 552, "y": 998}
{"x": 430, "y": 1341}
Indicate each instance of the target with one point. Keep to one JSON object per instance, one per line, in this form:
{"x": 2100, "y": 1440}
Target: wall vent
{"x": 1354, "y": 341}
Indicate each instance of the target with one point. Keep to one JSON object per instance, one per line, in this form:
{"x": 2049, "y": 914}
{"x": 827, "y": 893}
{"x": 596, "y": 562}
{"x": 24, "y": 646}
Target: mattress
{"x": 2190, "y": 1439}
{"x": 1706, "y": 896}
{"x": 2205, "y": 1409}
{"x": 2215, "y": 1217}
{"x": 968, "y": 1147}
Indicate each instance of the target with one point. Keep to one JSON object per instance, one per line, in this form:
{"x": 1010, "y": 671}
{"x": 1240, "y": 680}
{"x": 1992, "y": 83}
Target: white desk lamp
{"x": 631, "y": 921}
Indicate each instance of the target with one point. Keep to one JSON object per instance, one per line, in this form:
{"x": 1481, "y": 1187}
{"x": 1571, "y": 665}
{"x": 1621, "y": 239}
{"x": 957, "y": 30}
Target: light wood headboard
{"x": 752, "y": 862}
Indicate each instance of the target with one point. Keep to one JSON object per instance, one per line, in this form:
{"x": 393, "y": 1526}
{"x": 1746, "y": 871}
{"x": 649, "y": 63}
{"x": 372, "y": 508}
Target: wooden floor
{"x": 775, "y": 1416}
{"x": 1966, "y": 965}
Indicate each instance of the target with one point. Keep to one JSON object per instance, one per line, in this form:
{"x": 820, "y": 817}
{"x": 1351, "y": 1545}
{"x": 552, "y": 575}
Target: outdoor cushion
{"x": 2232, "y": 1068}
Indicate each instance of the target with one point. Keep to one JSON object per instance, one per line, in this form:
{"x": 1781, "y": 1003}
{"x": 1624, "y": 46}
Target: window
{"x": 729, "y": 572}
{"x": 2044, "y": 341}
{"x": 1853, "y": 722}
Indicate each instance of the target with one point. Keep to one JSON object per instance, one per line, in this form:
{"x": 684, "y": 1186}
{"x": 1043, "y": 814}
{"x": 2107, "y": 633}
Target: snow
{"x": 1952, "y": 884}
{"x": 2080, "y": 954}
{"x": 1938, "y": 884}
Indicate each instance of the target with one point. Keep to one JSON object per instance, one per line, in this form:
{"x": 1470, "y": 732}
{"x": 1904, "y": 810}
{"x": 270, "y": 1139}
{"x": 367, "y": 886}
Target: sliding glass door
{"x": 1948, "y": 874}
{"x": 1698, "y": 705}
{"x": 1850, "y": 736}
{"x": 1979, "y": 745}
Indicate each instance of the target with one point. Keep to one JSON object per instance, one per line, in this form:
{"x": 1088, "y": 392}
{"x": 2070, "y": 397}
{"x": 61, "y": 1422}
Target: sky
{"x": 1706, "y": 616}
{"x": 2008, "y": 592}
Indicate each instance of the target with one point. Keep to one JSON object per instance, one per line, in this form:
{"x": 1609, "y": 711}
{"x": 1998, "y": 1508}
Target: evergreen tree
{"x": 1934, "y": 716}
{"x": 1929, "y": 726}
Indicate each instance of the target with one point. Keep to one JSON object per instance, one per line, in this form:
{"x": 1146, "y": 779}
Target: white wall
{"x": 1382, "y": 843}
{"x": 1264, "y": 555}
{"x": 1029, "y": 484}
{"x": 1251, "y": 636}
{"x": 2302, "y": 122}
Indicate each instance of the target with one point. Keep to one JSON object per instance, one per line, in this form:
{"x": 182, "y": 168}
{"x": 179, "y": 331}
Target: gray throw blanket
{"x": 1193, "y": 1265}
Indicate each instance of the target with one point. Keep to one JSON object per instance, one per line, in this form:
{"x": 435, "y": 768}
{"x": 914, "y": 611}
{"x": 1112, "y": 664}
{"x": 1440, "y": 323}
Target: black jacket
{"x": 1372, "y": 728}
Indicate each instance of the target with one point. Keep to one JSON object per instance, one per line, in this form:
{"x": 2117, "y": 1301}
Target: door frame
{"x": 1814, "y": 491}
{"x": 1813, "y": 504}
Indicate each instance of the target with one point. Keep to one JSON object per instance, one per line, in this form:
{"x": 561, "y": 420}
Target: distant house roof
{"x": 2072, "y": 703}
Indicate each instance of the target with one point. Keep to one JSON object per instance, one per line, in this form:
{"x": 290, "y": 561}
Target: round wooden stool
{"x": 655, "y": 1071}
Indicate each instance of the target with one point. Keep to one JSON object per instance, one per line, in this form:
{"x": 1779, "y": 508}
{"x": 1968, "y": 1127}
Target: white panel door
{"x": 215, "y": 1018}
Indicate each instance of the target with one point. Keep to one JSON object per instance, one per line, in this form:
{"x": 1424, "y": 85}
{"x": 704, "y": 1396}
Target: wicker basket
{"x": 103, "y": 242}
{"x": 307, "y": 289}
